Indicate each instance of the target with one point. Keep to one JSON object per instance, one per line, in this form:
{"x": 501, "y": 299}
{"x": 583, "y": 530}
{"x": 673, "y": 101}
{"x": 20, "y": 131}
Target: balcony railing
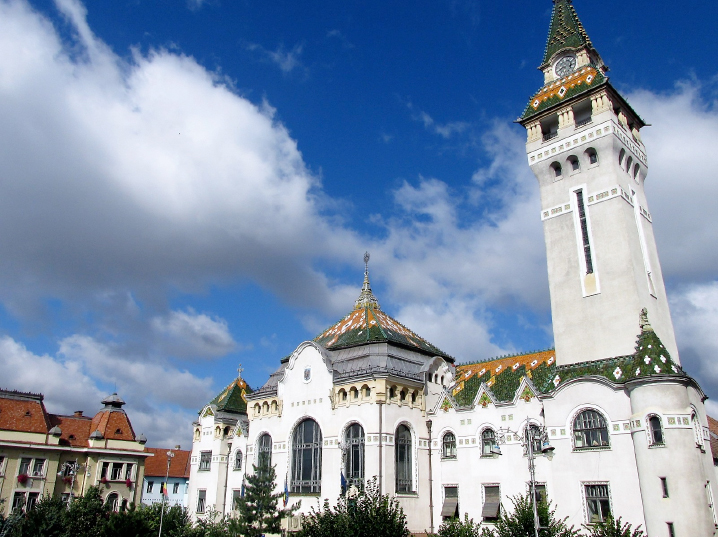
{"x": 549, "y": 136}
{"x": 584, "y": 122}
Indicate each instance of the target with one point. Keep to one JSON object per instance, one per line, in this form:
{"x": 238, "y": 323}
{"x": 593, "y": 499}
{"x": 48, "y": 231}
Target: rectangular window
{"x": 175, "y": 488}
{"x": 450, "y": 509}
{"x": 598, "y": 505}
{"x": 38, "y": 468}
{"x": 32, "y": 500}
{"x": 24, "y": 466}
{"x": 671, "y": 530}
{"x": 105, "y": 470}
{"x": 664, "y": 486}
{"x": 236, "y": 495}
{"x": 116, "y": 473}
{"x": 584, "y": 231}
{"x": 205, "y": 461}
{"x": 540, "y": 492}
{"x": 201, "y": 498}
{"x": 129, "y": 468}
{"x": 150, "y": 486}
{"x": 492, "y": 503}
{"x": 18, "y": 501}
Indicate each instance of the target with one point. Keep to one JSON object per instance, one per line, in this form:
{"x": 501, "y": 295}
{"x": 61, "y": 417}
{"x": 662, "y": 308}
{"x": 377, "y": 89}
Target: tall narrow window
{"x": 129, "y": 468}
{"x": 18, "y": 501}
{"x": 38, "y": 467}
{"x": 238, "y": 460}
{"x": 598, "y": 504}
{"x": 264, "y": 450}
{"x": 205, "y": 461}
{"x": 201, "y": 500}
{"x": 642, "y": 242}
{"x": 32, "y": 498}
{"x": 656, "y": 431}
{"x": 402, "y": 455}
{"x": 584, "y": 231}
{"x": 450, "y": 509}
{"x": 307, "y": 458}
{"x": 540, "y": 492}
{"x": 25, "y": 466}
{"x": 671, "y": 530}
{"x": 449, "y": 446}
{"x": 557, "y": 172}
{"x": 492, "y": 503}
{"x": 113, "y": 502}
{"x": 488, "y": 441}
{"x": 664, "y": 487}
{"x": 354, "y": 464}
{"x": 533, "y": 434}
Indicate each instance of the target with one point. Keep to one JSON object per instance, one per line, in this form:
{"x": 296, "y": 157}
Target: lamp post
{"x": 70, "y": 468}
{"x": 532, "y": 433}
{"x": 164, "y": 492}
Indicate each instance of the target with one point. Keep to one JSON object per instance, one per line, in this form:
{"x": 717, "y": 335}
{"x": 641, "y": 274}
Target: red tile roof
{"x": 75, "y": 429}
{"x": 157, "y": 466}
{"x": 23, "y": 412}
{"x": 113, "y": 424}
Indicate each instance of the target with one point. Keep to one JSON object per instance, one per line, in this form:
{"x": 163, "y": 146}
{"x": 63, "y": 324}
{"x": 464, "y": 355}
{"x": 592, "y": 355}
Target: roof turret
{"x": 234, "y": 397}
{"x": 565, "y": 31}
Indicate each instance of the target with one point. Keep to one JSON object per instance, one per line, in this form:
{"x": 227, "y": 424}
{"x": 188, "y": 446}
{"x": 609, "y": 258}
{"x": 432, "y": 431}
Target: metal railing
{"x": 549, "y": 136}
{"x": 584, "y": 122}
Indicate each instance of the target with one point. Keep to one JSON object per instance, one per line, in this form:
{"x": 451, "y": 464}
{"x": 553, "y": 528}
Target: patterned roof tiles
{"x": 565, "y": 31}
{"x": 233, "y": 397}
{"x": 569, "y": 86}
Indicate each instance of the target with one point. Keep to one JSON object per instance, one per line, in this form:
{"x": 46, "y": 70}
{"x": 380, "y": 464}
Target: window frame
{"x": 485, "y": 497}
{"x": 449, "y": 502}
{"x": 403, "y": 460}
{"x": 306, "y": 469}
{"x": 355, "y": 455}
{"x": 113, "y": 503}
{"x": 201, "y": 501}
{"x": 150, "y": 486}
{"x": 448, "y": 446}
{"x": 587, "y": 431}
{"x": 491, "y": 442}
{"x": 264, "y": 449}
{"x": 205, "y": 461}
{"x": 651, "y": 430}
{"x": 15, "y": 504}
{"x": 599, "y": 501}
{"x": 238, "y": 460}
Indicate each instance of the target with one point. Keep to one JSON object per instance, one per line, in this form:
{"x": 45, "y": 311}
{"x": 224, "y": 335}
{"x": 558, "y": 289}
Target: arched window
{"x": 621, "y": 156}
{"x": 113, "y": 501}
{"x": 556, "y": 167}
{"x": 629, "y": 163}
{"x": 655, "y": 428}
{"x": 257, "y": 409}
{"x": 448, "y": 446}
{"x": 354, "y": 463}
{"x": 697, "y": 429}
{"x": 636, "y": 169}
{"x": 592, "y": 156}
{"x": 533, "y": 433}
{"x": 238, "y": 460}
{"x": 307, "y": 458}
{"x": 402, "y": 456}
{"x": 590, "y": 430}
{"x": 343, "y": 394}
{"x": 488, "y": 441}
{"x": 264, "y": 450}
{"x": 575, "y": 164}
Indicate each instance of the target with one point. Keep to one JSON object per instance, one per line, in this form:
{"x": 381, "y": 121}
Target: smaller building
{"x": 176, "y": 477}
{"x": 44, "y": 454}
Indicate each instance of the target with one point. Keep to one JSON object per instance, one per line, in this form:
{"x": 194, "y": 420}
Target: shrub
{"x": 455, "y": 527}
{"x": 520, "y": 522}
{"x": 613, "y": 528}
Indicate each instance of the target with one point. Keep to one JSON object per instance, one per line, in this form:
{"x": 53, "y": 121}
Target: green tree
{"x": 87, "y": 516}
{"x": 130, "y": 523}
{"x": 48, "y": 518}
{"x": 613, "y": 528}
{"x": 455, "y": 527}
{"x": 520, "y": 522}
{"x": 367, "y": 514}
{"x": 258, "y": 511}
{"x": 175, "y": 523}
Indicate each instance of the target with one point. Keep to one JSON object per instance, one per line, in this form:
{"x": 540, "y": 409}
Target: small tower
{"x": 585, "y": 148}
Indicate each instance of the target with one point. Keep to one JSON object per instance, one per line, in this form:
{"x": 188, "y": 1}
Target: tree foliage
{"x": 613, "y": 528}
{"x": 258, "y": 508}
{"x": 367, "y": 514}
{"x": 520, "y": 522}
{"x": 455, "y": 527}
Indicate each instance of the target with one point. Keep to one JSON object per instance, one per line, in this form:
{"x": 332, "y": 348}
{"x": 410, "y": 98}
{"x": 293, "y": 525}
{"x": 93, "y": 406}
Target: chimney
{"x": 78, "y": 413}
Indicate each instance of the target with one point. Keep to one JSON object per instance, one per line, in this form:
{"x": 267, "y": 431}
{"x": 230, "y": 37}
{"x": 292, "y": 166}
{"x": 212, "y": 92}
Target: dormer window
{"x": 118, "y": 431}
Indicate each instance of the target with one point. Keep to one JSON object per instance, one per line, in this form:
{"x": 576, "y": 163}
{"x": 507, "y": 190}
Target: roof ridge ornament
{"x": 366, "y": 297}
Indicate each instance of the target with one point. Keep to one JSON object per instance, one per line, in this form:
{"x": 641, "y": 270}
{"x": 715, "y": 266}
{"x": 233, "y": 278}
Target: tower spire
{"x": 366, "y": 297}
{"x": 565, "y": 31}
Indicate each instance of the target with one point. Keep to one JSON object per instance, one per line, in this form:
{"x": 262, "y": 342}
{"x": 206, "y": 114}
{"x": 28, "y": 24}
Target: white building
{"x": 368, "y": 397}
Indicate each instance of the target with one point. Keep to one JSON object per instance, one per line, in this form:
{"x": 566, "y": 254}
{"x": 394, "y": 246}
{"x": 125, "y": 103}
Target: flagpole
{"x": 164, "y": 486}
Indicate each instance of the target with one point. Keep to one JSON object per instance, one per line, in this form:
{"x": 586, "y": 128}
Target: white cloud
{"x": 286, "y": 60}
{"x": 445, "y": 130}
{"x": 189, "y": 334}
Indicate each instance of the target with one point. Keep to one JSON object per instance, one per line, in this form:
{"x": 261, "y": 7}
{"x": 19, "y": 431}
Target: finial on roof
{"x": 366, "y": 297}
{"x": 643, "y": 321}
{"x": 240, "y": 369}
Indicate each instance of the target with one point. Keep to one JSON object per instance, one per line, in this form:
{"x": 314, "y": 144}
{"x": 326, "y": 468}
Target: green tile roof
{"x": 232, "y": 398}
{"x": 565, "y": 31}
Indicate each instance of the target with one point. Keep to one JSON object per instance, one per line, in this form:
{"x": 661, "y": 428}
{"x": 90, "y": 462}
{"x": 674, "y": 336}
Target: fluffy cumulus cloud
{"x": 188, "y": 334}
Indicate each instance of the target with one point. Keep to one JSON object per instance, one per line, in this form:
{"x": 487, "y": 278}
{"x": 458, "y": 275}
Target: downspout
{"x": 226, "y": 478}
{"x": 381, "y": 450}
{"x": 431, "y": 482}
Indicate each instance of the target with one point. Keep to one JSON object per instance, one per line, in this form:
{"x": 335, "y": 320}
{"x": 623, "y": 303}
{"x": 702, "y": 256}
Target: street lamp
{"x": 164, "y": 492}
{"x": 532, "y": 433}
{"x": 70, "y": 468}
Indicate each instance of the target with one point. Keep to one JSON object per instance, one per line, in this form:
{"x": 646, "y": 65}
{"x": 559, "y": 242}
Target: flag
{"x": 286, "y": 492}
{"x": 164, "y": 490}
{"x": 343, "y": 482}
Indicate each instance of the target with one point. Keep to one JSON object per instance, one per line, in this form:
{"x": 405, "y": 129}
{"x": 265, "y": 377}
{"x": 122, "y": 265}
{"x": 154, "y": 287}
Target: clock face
{"x": 565, "y": 65}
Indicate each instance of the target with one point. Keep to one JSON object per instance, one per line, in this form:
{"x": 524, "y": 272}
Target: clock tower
{"x": 584, "y": 146}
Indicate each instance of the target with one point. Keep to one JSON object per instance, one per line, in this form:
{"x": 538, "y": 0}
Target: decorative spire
{"x": 566, "y": 30}
{"x": 366, "y": 297}
{"x": 240, "y": 369}
{"x": 643, "y": 321}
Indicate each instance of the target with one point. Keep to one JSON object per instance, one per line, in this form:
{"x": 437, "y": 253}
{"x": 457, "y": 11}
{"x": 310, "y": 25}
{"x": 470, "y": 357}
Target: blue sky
{"x": 187, "y": 185}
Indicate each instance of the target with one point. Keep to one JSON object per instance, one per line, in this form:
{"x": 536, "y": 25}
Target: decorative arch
{"x": 655, "y": 431}
{"x": 353, "y": 451}
{"x": 404, "y": 458}
{"x": 590, "y": 430}
{"x": 306, "y": 469}
{"x": 264, "y": 449}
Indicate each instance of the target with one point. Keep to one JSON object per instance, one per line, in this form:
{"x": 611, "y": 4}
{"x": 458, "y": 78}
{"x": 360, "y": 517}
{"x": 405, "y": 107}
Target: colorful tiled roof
{"x": 576, "y": 83}
{"x": 565, "y": 31}
{"x": 368, "y": 324}
{"x": 233, "y": 397}
{"x": 503, "y": 375}
{"x": 157, "y": 466}
{"x": 23, "y": 412}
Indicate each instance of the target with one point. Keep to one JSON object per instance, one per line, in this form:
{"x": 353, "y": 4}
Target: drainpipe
{"x": 381, "y": 450}
{"x": 431, "y": 482}
{"x": 226, "y": 478}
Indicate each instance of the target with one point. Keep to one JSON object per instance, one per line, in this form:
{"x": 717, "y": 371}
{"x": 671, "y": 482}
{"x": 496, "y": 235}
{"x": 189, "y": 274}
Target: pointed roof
{"x": 651, "y": 357}
{"x": 233, "y": 397}
{"x": 366, "y": 323}
{"x": 565, "y": 31}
